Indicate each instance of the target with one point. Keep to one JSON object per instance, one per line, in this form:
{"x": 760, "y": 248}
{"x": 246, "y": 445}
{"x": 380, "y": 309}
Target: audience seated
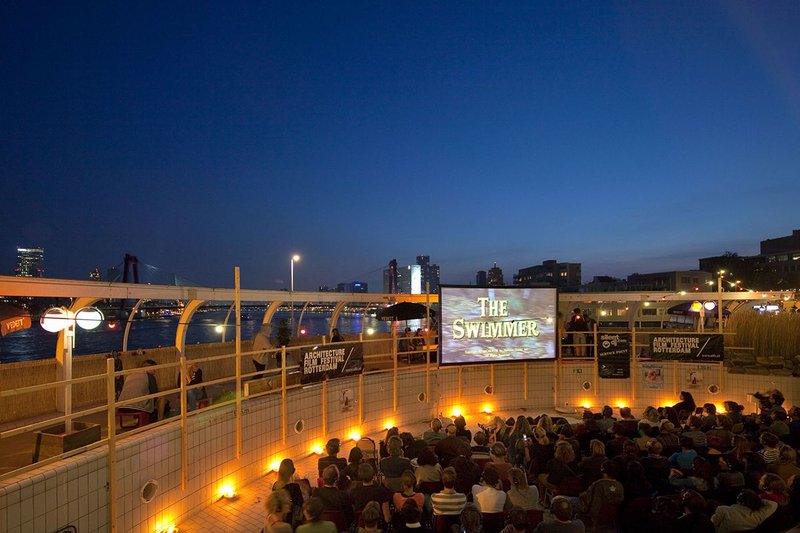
{"x": 285, "y": 473}
{"x": 350, "y": 473}
{"x": 411, "y": 518}
{"x": 331, "y": 457}
{"x": 394, "y": 465}
{"x": 435, "y": 434}
{"x": 428, "y": 467}
{"x": 407, "y": 484}
{"x": 451, "y": 446}
{"x": 480, "y": 452}
{"x": 471, "y": 519}
{"x": 461, "y": 428}
{"x": 684, "y": 459}
{"x": 467, "y": 474}
{"x": 521, "y": 494}
{"x": 371, "y": 517}
{"x": 331, "y": 497}
{"x": 603, "y": 494}
{"x": 312, "y": 512}
{"x": 589, "y": 468}
{"x": 562, "y": 518}
{"x": 497, "y": 454}
{"x": 517, "y": 521}
{"x": 487, "y": 495}
{"x": 746, "y": 514}
{"x": 448, "y": 503}
{"x": 278, "y": 505}
{"x": 370, "y": 491}
{"x": 698, "y": 489}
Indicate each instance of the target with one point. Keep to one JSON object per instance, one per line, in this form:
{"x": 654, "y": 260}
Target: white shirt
{"x": 488, "y": 499}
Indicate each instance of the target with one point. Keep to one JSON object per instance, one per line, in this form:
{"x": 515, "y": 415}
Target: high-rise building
{"x": 30, "y": 262}
{"x": 409, "y": 280}
{"x": 430, "y": 273}
{"x": 94, "y": 275}
{"x": 480, "y": 278}
{"x": 390, "y": 278}
{"x": 353, "y": 286}
{"x": 550, "y": 273}
{"x": 495, "y": 276}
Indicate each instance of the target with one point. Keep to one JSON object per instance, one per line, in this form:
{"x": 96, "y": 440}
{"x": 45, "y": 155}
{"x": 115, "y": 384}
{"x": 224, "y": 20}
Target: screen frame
{"x": 502, "y": 362}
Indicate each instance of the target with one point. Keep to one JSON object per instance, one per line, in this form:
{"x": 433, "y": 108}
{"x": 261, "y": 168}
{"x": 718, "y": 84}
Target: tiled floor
{"x": 243, "y": 515}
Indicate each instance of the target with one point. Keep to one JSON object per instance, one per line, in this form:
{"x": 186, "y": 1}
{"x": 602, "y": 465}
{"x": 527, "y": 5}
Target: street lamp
{"x": 295, "y": 257}
{"x": 719, "y": 298}
{"x": 58, "y": 319}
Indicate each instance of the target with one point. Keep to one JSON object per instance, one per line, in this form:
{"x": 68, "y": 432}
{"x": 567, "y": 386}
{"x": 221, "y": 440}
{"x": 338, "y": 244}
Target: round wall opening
{"x": 299, "y": 426}
{"x": 149, "y": 491}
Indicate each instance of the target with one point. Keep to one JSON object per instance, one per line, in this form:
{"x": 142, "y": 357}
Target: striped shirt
{"x": 450, "y": 504}
{"x": 770, "y": 455}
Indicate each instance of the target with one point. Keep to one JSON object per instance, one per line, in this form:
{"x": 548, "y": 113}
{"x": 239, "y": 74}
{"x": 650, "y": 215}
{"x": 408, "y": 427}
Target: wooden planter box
{"x": 54, "y": 441}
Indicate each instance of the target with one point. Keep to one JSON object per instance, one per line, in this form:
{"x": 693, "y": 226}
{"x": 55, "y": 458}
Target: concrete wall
{"x": 27, "y": 373}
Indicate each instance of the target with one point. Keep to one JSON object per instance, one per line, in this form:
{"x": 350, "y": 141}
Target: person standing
{"x": 263, "y": 358}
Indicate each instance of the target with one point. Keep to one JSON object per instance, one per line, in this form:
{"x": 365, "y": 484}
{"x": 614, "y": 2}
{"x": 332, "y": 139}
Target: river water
{"x": 35, "y": 343}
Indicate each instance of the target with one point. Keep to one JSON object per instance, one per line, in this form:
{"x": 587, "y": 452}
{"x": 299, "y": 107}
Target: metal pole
{"x": 394, "y": 374}
{"x": 719, "y": 303}
{"x": 525, "y": 381}
{"x": 238, "y": 302}
{"x": 596, "y": 364}
{"x": 324, "y": 410}
{"x": 284, "y": 415}
{"x": 69, "y": 344}
{"x": 633, "y": 366}
{"x": 184, "y": 432}
{"x": 360, "y": 399}
{"x": 427, "y": 341}
{"x": 112, "y": 445}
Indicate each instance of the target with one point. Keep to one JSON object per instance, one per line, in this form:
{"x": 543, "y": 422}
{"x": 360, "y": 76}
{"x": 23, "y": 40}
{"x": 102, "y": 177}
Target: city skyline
{"x": 627, "y": 138}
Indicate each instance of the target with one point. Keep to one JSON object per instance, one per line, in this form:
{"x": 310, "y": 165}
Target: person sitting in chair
{"x": 139, "y": 384}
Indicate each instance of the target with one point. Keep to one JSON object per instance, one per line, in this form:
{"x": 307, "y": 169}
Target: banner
{"x": 331, "y": 361}
{"x": 614, "y": 355}
{"x": 687, "y": 347}
{"x": 653, "y": 376}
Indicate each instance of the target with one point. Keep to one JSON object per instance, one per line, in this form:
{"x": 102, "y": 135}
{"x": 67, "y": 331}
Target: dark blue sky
{"x": 626, "y": 136}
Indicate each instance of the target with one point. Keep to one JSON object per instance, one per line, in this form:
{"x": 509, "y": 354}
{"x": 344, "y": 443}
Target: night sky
{"x": 628, "y": 136}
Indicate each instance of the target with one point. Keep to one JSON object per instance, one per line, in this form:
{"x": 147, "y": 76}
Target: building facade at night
{"x": 495, "y": 276}
{"x": 30, "y": 262}
{"x": 675, "y": 280}
{"x": 429, "y": 272}
{"x": 353, "y": 286}
{"x": 550, "y": 273}
{"x": 776, "y": 266}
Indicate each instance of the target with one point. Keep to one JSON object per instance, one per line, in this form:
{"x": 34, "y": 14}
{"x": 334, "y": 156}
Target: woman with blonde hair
{"x": 541, "y": 450}
{"x": 521, "y": 494}
{"x": 277, "y": 505}
{"x": 546, "y": 423}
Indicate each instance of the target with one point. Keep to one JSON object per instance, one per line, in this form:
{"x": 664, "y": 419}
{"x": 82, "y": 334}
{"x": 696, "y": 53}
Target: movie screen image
{"x": 497, "y": 324}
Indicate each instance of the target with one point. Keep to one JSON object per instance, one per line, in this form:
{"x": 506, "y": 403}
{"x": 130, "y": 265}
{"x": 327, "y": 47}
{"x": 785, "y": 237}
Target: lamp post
{"x": 58, "y": 319}
{"x": 295, "y": 257}
{"x": 719, "y": 299}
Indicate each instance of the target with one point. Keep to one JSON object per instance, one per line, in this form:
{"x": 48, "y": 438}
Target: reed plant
{"x": 769, "y": 334}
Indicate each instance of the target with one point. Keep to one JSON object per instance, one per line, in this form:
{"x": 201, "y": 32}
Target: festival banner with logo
{"x": 687, "y": 347}
{"x": 614, "y": 355}
{"x": 331, "y": 361}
